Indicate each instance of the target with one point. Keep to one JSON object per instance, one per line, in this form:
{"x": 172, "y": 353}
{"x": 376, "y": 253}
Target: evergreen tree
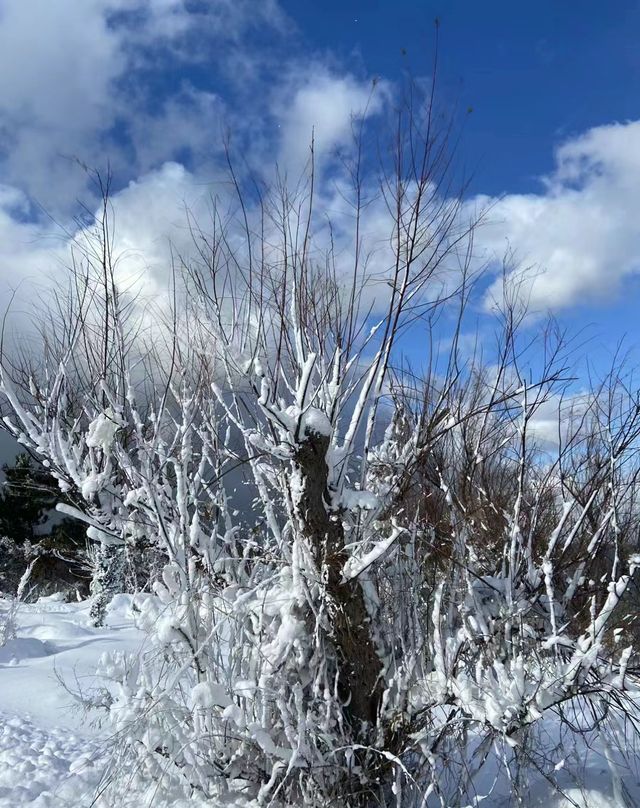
{"x": 26, "y": 499}
{"x": 30, "y": 529}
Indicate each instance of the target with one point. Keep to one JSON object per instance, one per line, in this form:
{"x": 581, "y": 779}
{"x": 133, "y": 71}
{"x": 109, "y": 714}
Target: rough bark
{"x": 360, "y": 666}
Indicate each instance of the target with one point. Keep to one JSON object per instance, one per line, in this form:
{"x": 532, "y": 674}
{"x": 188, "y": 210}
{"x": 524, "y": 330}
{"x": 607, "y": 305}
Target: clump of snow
{"x": 357, "y": 564}
{"x": 102, "y": 430}
{"x": 314, "y": 421}
{"x": 93, "y": 483}
{"x": 362, "y": 500}
{"x": 208, "y": 695}
{"x": 307, "y": 421}
{"x": 134, "y": 497}
{"x": 101, "y": 536}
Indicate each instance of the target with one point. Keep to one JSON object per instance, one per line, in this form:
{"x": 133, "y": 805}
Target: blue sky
{"x": 535, "y": 76}
{"x": 553, "y": 142}
{"x": 534, "y": 73}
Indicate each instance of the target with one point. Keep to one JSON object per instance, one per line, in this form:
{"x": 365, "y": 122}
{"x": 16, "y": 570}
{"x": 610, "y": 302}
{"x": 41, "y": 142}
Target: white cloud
{"x": 323, "y": 105}
{"x": 72, "y": 72}
{"x": 57, "y": 62}
{"x": 580, "y": 235}
{"x": 150, "y": 224}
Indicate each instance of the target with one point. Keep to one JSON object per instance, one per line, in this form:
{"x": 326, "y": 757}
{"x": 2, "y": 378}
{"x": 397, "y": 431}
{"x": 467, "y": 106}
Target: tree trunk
{"x": 360, "y": 666}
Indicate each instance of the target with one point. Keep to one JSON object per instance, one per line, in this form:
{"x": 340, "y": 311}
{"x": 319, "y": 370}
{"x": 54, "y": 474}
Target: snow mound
{"x": 65, "y": 630}
{"x": 120, "y": 604}
{"x": 23, "y": 648}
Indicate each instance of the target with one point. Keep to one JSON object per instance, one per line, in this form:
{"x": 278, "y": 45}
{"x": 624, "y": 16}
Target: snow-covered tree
{"x": 366, "y": 579}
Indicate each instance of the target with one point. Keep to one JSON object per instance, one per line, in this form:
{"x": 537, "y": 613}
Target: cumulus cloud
{"x": 151, "y": 226}
{"x": 97, "y": 82}
{"x": 57, "y": 62}
{"x": 326, "y": 106}
{"x": 149, "y": 230}
{"x": 579, "y": 235}
{"x": 80, "y": 80}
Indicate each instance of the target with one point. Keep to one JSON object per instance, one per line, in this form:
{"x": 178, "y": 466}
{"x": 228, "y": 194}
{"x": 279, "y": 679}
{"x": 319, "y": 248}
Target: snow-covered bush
{"x": 8, "y": 626}
{"x": 368, "y": 582}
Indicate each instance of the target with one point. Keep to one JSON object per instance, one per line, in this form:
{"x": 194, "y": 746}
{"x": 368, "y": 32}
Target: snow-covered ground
{"x": 53, "y": 756}
{"x": 51, "y": 753}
